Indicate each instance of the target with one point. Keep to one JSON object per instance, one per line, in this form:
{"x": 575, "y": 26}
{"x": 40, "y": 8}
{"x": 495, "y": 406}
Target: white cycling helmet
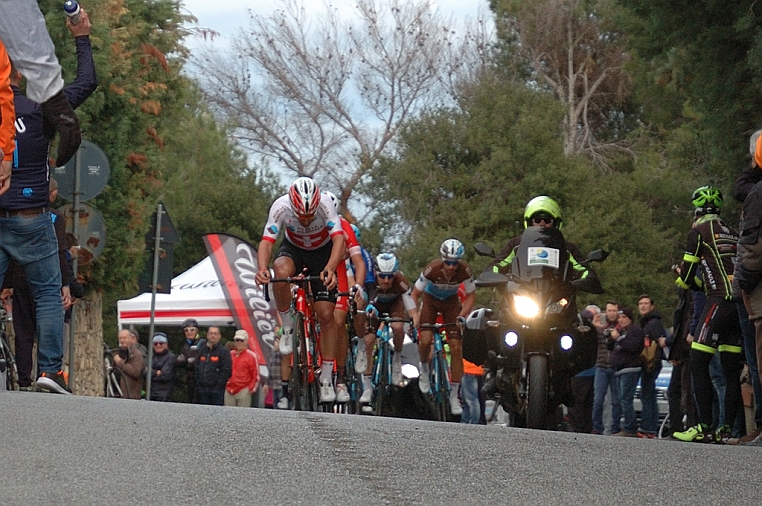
{"x": 304, "y": 196}
{"x": 387, "y": 263}
{"x": 452, "y": 250}
{"x": 333, "y": 199}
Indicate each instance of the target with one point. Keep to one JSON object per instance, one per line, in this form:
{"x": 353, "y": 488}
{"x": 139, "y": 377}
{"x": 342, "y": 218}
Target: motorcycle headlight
{"x": 525, "y": 306}
{"x": 511, "y": 338}
{"x": 566, "y": 342}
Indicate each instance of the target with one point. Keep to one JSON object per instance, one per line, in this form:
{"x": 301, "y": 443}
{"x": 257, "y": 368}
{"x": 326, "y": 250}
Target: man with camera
{"x": 129, "y": 360}
{"x": 604, "y": 371}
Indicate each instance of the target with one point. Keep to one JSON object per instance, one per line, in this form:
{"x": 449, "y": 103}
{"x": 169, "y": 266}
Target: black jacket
{"x": 653, "y": 329}
{"x": 213, "y": 367}
{"x": 162, "y": 385}
{"x": 626, "y": 349}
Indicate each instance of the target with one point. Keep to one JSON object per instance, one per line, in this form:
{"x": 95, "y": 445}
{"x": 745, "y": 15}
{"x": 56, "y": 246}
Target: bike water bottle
{"x": 72, "y": 9}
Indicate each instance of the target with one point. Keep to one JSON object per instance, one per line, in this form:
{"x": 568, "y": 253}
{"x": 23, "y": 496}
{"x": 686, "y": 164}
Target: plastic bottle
{"x": 72, "y": 9}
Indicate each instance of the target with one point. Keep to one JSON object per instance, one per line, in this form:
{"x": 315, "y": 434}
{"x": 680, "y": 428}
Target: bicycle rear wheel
{"x": 10, "y": 371}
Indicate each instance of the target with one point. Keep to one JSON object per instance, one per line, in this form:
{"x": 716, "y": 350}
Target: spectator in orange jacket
{"x": 7, "y": 121}
{"x": 245, "y": 377}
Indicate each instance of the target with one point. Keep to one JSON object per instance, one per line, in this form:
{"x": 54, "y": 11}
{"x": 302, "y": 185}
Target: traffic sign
{"x": 93, "y": 177}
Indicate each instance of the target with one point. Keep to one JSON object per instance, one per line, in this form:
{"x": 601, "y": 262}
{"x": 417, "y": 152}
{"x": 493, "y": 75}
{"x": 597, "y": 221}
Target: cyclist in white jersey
{"x": 313, "y": 244}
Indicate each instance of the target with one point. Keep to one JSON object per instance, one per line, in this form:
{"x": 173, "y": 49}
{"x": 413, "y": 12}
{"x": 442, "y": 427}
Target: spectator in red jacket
{"x": 245, "y": 377}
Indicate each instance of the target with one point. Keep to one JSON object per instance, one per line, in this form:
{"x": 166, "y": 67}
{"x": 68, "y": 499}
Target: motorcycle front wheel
{"x": 537, "y": 396}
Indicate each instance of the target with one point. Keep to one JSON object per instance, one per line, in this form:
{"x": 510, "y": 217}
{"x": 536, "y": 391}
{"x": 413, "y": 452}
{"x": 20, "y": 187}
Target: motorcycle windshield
{"x": 541, "y": 254}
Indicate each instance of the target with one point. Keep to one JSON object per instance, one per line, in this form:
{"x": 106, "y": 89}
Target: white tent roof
{"x": 196, "y": 293}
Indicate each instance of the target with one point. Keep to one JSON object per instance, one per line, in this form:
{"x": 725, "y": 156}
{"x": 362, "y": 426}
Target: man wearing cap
{"x": 213, "y": 368}
{"x": 245, "y": 377}
{"x": 162, "y": 369}
{"x": 186, "y": 361}
{"x": 626, "y": 342}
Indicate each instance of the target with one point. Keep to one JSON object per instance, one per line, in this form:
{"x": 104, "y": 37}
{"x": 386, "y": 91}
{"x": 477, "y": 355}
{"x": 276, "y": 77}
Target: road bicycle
{"x": 112, "y": 376}
{"x": 9, "y": 374}
{"x": 440, "y": 377}
{"x": 303, "y": 384}
{"x": 382, "y": 370}
{"x": 353, "y": 379}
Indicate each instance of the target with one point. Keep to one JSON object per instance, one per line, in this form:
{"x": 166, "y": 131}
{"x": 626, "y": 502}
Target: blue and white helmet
{"x": 387, "y": 263}
{"x": 452, "y": 249}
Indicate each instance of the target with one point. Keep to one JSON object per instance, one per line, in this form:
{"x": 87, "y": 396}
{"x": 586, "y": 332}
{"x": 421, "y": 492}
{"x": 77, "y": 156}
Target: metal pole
{"x": 156, "y": 246}
{"x": 75, "y": 229}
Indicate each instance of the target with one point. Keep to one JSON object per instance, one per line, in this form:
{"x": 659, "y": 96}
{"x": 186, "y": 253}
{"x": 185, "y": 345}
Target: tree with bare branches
{"x": 573, "y": 50}
{"x": 325, "y": 97}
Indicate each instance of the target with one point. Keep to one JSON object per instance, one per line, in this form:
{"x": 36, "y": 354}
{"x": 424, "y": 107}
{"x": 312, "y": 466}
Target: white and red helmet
{"x": 304, "y": 196}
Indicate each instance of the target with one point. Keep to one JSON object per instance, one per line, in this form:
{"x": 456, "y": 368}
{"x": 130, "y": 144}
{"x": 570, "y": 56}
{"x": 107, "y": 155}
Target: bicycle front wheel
{"x": 297, "y": 383}
{"x": 441, "y": 387}
{"x": 382, "y": 387}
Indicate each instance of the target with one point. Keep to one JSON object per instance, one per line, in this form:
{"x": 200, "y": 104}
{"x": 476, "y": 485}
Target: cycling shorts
{"x": 314, "y": 261}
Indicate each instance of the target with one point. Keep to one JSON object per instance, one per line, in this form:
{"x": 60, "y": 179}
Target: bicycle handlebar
{"x": 297, "y": 280}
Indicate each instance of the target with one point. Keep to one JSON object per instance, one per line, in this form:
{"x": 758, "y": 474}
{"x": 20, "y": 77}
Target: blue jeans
{"x": 750, "y": 350}
{"x": 649, "y": 420}
{"x": 469, "y": 391}
{"x": 628, "y": 381}
{"x": 604, "y": 379}
{"x": 32, "y": 242}
{"x": 211, "y": 397}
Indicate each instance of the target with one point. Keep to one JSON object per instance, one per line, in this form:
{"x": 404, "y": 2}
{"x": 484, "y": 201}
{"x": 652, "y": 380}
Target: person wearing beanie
{"x": 186, "y": 361}
{"x": 626, "y": 343}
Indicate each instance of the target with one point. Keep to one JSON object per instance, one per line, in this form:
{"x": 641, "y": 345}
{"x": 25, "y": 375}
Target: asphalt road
{"x": 79, "y": 450}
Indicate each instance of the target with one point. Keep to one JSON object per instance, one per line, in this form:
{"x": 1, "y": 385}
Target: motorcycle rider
{"x": 711, "y": 247}
{"x": 544, "y": 212}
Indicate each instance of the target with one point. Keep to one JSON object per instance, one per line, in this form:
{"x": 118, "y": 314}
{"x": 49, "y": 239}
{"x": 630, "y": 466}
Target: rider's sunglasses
{"x": 542, "y": 219}
{"x": 386, "y": 276}
{"x": 451, "y": 263}
{"x": 238, "y": 339}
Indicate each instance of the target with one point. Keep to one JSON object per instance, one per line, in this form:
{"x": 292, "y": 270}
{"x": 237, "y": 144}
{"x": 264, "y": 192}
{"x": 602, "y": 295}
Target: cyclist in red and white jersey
{"x": 353, "y": 253}
{"x": 313, "y": 242}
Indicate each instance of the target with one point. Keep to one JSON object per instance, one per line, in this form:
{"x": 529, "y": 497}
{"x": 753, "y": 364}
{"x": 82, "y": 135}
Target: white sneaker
{"x": 285, "y": 342}
{"x": 455, "y": 407}
{"x": 283, "y": 403}
{"x": 366, "y": 397}
{"x": 327, "y": 393}
{"x": 397, "y": 369}
{"x": 361, "y": 360}
{"x": 423, "y": 378}
{"x": 342, "y": 393}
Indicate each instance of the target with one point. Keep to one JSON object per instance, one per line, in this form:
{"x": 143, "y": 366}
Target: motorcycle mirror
{"x": 598, "y": 255}
{"x": 484, "y": 250}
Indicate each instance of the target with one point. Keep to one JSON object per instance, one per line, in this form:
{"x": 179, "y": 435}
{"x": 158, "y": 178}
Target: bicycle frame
{"x": 440, "y": 385}
{"x": 305, "y": 360}
{"x": 382, "y": 369}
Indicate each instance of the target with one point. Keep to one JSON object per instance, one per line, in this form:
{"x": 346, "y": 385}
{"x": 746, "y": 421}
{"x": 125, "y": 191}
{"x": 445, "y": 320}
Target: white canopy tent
{"x": 196, "y": 293}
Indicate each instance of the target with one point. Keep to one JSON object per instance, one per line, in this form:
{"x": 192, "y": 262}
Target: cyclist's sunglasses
{"x": 451, "y": 263}
{"x": 385, "y": 275}
{"x": 542, "y": 219}
{"x": 238, "y": 339}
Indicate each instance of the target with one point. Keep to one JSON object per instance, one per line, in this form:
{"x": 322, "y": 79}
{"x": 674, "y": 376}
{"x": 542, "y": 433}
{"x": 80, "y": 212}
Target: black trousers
{"x": 24, "y": 326}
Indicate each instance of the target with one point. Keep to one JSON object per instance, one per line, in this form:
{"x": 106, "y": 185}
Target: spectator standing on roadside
{"x": 131, "y": 381}
{"x": 244, "y": 378}
{"x": 162, "y": 369}
{"x": 583, "y": 387}
{"x": 605, "y": 380}
{"x": 186, "y": 361}
{"x": 213, "y": 368}
{"x": 626, "y": 343}
{"x": 650, "y": 322}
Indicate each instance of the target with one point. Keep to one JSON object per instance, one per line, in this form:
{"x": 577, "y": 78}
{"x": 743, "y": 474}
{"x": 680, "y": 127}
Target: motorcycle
{"x": 535, "y": 341}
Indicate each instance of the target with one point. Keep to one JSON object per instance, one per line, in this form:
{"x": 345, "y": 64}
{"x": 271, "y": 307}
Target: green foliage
{"x": 468, "y": 173}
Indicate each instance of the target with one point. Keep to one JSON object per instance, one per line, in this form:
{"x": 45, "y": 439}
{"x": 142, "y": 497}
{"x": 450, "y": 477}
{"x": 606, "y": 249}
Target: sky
{"x": 227, "y": 16}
